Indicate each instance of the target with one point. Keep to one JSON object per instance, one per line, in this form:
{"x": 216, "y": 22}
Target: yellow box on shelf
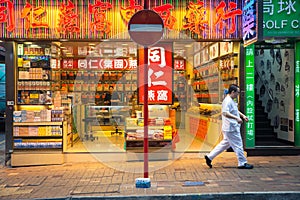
{"x": 167, "y": 133}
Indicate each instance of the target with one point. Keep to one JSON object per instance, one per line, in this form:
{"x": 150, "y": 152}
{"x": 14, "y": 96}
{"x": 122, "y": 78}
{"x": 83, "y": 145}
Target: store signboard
{"x": 160, "y": 74}
{"x": 297, "y": 95}
{"x": 94, "y": 19}
{"x": 250, "y": 22}
{"x": 100, "y": 64}
{"x": 281, "y": 18}
{"x": 250, "y": 96}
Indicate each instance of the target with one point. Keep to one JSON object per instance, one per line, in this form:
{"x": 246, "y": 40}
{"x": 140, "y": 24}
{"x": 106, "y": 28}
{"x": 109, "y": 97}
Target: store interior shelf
{"x": 37, "y": 123}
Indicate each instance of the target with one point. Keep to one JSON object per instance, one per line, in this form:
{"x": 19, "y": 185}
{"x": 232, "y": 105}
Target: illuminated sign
{"x": 250, "y": 22}
{"x": 160, "y": 74}
{"x": 216, "y": 20}
{"x": 34, "y": 17}
{"x": 100, "y": 64}
{"x": 250, "y": 96}
{"x": 99, "y": 13}
{"x": 297, "y": 95}
{"x": 96, "y": 19}
{"x": 281, "y": 18}
{"x": 7, "y": 14}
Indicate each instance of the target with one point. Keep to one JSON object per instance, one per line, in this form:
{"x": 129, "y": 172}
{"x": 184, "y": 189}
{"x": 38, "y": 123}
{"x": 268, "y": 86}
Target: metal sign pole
{"x": 146, "y": 121}
{"x": 146, "y": 142}
{"x": 146, "y": 28}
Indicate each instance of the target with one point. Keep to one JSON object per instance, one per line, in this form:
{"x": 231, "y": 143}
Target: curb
{"x": 284, "y": 195}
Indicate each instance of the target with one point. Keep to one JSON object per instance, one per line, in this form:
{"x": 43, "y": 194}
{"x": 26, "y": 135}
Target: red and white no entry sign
{"x": 146, "y": 27}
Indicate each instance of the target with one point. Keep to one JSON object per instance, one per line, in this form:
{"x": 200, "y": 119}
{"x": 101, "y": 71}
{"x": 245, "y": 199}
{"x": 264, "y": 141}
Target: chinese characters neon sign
{"x": 199, "y": 15}
{"x": 7, "y": 14}
{"x": 91, "y": 19}
{"x": 34, "y": 16}
{"x": 100, "y": 22}
{"x": 68, "y": 19}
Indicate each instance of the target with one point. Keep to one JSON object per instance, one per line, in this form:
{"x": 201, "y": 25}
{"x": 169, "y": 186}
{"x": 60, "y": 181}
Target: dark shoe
{"x": 208, "y": 161}
{"x": 246, "y": 166}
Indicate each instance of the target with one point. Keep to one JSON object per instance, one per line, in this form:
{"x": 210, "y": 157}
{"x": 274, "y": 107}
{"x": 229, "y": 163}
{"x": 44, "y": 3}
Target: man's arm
{"x": 229, "y": 115}
{"x": 244, "y": 116}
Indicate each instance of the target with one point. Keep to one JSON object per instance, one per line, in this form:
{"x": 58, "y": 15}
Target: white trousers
{"x": 233, "y": 140}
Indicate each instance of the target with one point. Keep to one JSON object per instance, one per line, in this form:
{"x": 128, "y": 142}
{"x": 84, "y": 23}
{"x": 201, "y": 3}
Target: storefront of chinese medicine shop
{"x": 76, "y": 79}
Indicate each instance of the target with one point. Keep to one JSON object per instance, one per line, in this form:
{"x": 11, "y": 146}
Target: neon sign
{"x": 198, "y": 18}
{"x": 128, "y": 12}
{"x": 165, "y": 14}
{"x": 68, "y": 19}
{"x": 249, "y": 22}
{"x": 100, "y": 22}
{"x": 89, "y": 20}
{"x": 223, "y": 15}
{"x": 34, "y": 16}
{"x": 7, "y": 14}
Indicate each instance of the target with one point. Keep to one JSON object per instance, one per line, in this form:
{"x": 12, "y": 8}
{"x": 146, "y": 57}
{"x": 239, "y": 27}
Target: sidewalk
{"x": 272, "y": 178}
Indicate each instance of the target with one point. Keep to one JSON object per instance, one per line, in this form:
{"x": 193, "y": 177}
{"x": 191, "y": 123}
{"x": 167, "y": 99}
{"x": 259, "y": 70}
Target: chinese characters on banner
{"x": 199, "y": 15}
{"x": 250, "y": 96}
{"x": 105, "y": 19}
{"x": 160, "y": 74}
{"x": 100, "y": 64}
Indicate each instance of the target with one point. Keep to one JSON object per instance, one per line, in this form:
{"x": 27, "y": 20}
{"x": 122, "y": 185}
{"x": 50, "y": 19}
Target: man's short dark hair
{"x": 232, "y": 88}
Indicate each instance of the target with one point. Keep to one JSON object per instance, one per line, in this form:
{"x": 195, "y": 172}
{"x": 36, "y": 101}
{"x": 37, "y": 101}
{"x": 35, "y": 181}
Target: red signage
{"x": 7, "y": 14}
{"x": 179, "y": 64}
{"x": 160, "y": 74}
{"x": 100, "y": 64}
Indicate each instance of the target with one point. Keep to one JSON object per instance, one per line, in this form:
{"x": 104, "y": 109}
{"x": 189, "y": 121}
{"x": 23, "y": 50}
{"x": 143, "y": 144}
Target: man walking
{"x": 231, "y": 123}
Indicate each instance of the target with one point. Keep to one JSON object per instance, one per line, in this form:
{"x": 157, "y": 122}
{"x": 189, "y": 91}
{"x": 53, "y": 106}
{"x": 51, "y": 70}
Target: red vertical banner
{"x": 160, "y": 74}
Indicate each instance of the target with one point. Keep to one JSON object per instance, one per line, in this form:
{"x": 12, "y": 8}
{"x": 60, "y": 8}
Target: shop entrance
{"x": 82, "y": 97}
{"x": 202, "y": 72}
{"x": 274, "y": 98}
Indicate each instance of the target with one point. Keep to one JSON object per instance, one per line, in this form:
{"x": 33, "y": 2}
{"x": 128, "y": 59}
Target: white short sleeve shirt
{"x": 229, "y": 124}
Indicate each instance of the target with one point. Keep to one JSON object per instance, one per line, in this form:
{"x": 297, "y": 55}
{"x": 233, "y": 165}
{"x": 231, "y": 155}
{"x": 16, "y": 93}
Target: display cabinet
{"x": 87, "y": 70}
{"x": 39, "y": 125}
{"x": 160, "y": 129}
{"x": 215, "y": 68}
{"x": 112, "y": 116}
{"x": 38, "y": 143}
{"x": 158, "y": 136}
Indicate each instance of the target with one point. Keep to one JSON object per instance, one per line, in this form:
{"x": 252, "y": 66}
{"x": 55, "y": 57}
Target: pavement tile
{"x": 95, "y": 179}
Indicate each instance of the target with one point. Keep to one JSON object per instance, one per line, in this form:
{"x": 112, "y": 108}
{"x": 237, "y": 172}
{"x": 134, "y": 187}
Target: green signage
{"x": 281, "y": 18}
{"x": 250, "y": 96}
{"x": 297, "y": 95}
